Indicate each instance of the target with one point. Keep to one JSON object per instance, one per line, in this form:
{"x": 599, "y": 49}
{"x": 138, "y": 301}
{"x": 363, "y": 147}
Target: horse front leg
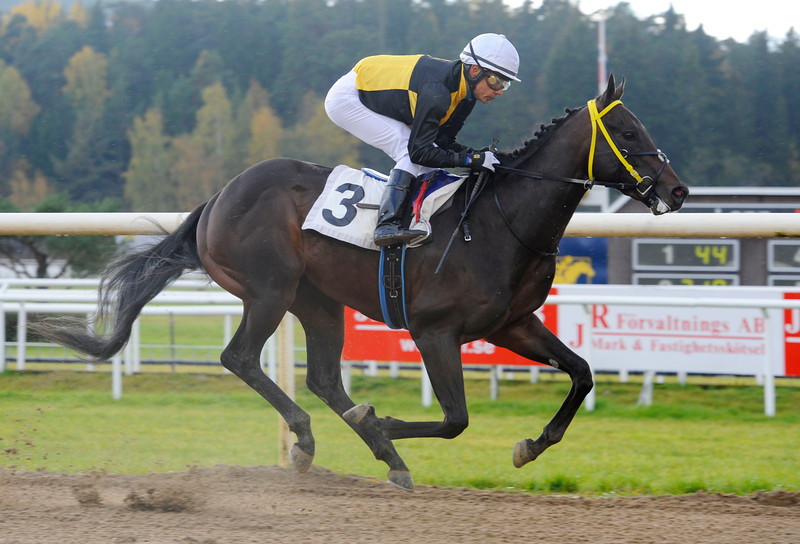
{"x": 532, "y": 340}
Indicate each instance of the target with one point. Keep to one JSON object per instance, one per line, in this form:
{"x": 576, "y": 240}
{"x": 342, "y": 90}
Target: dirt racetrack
{"x": 268, "y": 504}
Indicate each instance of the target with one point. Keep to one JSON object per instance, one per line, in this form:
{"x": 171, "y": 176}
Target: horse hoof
{"x": 300, "y": 459}
{"x": 401, "y": 478}
{"x": 522, "y": 454}
{"x": 356, "y": 414}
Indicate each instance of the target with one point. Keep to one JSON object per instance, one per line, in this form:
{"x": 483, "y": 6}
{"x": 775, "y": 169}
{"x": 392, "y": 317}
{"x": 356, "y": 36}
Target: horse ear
{"x": 608, "y": 95}
{"x": 619, "y": 90}
{"x": 612, "y": 92}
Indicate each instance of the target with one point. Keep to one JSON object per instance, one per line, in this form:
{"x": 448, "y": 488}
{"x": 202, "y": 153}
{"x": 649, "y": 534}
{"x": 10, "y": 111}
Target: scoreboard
{"x": 667, "y": 261}
{"x": 783, "y": 263}
{"x": 712, "y": 261}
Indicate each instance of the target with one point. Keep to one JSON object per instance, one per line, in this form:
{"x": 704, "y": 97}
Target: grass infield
{"x": 709, "y": 435}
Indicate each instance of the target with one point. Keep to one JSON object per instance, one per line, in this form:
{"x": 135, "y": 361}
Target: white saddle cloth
{"x": 347, "y": 208}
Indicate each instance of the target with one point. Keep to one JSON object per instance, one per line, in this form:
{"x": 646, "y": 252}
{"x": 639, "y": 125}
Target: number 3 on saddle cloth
{"x": 347, "y": 210}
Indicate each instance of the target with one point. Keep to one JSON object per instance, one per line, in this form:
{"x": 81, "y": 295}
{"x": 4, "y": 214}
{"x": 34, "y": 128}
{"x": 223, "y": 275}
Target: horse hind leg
{"x": 443, "y": 357}
{"x": 323, "y": 321}
{"x": 242, "y": 357}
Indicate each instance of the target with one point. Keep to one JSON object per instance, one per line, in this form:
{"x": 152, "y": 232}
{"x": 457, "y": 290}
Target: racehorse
{"x": 248, "y": 238}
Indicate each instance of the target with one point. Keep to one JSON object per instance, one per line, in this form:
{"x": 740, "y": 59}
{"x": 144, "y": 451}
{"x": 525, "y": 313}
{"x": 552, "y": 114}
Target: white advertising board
{"x": 701, "y": 338}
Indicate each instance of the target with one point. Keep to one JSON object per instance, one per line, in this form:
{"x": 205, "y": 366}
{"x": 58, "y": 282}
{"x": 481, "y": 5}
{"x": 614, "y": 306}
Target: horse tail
{"x": 125, "y": 287}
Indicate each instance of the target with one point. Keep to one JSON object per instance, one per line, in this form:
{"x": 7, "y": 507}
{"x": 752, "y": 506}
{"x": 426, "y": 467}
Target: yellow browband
{"x": 597, "y": 121}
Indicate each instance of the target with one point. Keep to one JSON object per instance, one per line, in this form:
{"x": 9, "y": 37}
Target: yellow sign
{"x": 570, "y": 269}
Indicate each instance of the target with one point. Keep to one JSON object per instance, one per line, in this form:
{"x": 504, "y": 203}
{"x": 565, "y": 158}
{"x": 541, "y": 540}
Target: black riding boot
{"x": 393, "y": 206}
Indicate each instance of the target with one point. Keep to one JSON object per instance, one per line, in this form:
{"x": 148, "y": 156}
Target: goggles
{"x": 496, "y": 82}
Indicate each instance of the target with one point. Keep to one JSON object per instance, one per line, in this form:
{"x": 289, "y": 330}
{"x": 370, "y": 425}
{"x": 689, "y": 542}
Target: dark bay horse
{"x": 248, "y": 238}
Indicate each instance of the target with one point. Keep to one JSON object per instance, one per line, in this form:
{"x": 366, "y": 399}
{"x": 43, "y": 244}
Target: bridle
{"x": 642, "y": 185}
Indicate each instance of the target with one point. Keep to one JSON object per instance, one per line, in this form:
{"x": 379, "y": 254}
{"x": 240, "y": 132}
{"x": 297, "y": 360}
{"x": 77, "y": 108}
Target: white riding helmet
{"x": 492, "y": 52}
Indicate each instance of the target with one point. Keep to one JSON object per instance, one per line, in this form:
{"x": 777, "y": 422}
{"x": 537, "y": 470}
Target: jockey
{"x": 411, "y": 107}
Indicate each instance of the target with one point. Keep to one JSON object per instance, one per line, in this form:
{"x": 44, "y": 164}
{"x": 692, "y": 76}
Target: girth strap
{"x": 392, "y": 286}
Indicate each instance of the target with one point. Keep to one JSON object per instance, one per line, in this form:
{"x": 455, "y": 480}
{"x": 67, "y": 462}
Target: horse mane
{"x": 532, "y": 145}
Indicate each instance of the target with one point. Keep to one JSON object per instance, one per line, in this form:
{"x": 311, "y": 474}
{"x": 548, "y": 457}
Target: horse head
{"x": 622, "y": 155}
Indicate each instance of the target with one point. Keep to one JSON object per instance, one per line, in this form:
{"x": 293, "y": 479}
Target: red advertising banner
{"x": 791, "y": 337}
{"x": 370, "y": 340}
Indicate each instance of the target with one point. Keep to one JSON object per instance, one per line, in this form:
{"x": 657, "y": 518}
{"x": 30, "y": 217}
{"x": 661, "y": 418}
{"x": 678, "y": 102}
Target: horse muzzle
{"x": 659, "y": 207}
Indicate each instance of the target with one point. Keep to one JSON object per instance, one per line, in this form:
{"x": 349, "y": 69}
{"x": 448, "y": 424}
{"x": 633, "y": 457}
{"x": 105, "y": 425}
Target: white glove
{"x": 484, "y": 160}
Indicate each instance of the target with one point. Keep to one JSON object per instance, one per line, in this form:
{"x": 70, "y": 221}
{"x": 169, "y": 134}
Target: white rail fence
{"x": 694, "y": 225}
{"x": 189, "y": 297}
{"x": 219, "y": 303}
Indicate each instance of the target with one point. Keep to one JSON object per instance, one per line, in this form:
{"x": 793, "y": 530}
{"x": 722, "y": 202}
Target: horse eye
{"x": 629, "y": 135}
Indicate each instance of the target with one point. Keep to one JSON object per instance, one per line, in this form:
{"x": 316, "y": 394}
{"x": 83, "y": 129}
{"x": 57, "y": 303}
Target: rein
{"x": 511, "y": 229}
{"x": 642, "y": 185}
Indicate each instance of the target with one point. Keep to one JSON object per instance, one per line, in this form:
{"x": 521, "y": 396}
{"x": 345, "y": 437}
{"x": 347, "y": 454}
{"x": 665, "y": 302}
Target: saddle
{"x": 347, "y": 210}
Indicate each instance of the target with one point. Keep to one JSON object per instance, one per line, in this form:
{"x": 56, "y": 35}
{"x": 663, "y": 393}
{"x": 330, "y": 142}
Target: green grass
{"x": 709, "y": 436}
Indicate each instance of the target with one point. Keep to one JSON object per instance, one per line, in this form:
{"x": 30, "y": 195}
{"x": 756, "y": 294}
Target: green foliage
{"x": 723, "y": 111}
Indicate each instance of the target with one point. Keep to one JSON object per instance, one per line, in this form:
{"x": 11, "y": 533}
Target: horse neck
{"x": 539, "y": 210}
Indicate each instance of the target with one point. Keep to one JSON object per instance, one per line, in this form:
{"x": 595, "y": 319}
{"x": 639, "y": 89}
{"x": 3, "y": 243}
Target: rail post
{"x": 2, "y": 337}
{"x": 286, "y": 383}
{"x": 589, "y": 401}
{"x": 769, "y": 372}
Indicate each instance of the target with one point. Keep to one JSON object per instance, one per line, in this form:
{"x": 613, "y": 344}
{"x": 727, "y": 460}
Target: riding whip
{"x": 479, "y": 183}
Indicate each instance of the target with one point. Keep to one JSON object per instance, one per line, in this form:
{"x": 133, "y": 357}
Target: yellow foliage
{"x": 17, "y": 108}
{"x": 257, "y": 96}
{"x": 86, "y": 79}
{"x": 214, "y": 129}
{"x": 26, "y": 192}
{"x": 196, "y": 175}
{"x": 338, "y": 145}
{"x": 41, "y": 14}
{"x": 79, "y": 14}
{"x": 147, "y": 185}
{"x": 266, "y": 133}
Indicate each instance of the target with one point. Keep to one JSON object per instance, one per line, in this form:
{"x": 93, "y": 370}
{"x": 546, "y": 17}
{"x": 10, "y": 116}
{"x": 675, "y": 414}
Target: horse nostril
{"x": 679, "y": 193}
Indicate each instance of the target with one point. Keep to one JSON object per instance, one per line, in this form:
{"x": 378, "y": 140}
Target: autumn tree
{"x": 200, "y": 167}
{"x": 266, "y": 131}
{"x": 17, "y": 108}
{"x": 214, "y": 127}
{"x": 87, "y": 91}
{"x": 264, "y": 127}
{"x": 78, "y": 14}
{"x": 27, "y": 186}
{"x": 42, "y": 15}
{"x": 147, "y": 180}
{"x": 198, "y": 170}
{"x": 196, "y": 175}
{"x": 17, "y": 111}
{"x": 162, "y": 55}
{"x": 315, "y": 138}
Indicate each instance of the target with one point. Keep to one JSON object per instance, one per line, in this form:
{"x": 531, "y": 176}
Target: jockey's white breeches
{"x": 390, "y": 136}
